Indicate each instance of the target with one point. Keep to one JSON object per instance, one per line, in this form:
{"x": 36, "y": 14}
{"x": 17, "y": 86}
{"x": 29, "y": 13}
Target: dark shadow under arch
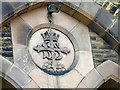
{"x": 110, "y": 85}
{"x": 6, "y": 85}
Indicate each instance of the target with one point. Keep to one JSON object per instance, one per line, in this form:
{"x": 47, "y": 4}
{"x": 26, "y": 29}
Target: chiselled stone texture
{"x": 101, "y": 50}
{"x": 6, "y": 41}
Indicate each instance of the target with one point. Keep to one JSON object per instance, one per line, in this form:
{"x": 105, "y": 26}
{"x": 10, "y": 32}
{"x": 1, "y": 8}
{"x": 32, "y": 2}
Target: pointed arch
{"x": 97, "y": 76}
{"x": 77, "y": 13}
{"x": 13, "y": 74}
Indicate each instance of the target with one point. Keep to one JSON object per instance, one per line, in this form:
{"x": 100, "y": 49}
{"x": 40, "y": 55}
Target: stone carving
{"x": 52, "y": 52}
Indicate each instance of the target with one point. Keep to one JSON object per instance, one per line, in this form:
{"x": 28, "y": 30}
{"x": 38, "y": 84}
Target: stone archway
{"x": 14, "y": 75}
{"x": 24, "y": 26}
{"x": 31, "y": 74}
{"x": 86, "y": 17}
{"x": 5, "y": 66}
{"x": 99, "y": 75}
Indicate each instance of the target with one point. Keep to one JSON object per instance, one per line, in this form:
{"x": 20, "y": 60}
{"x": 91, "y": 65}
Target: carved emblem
{"x": 52, "y": 52}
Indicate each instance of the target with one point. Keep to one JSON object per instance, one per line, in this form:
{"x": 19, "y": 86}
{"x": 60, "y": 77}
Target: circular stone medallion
{"x": 52, "y": 51}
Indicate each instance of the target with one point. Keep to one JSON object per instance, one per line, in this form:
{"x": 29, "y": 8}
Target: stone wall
{"x": 86, "y": 75}
{"x": 6, "y": 39}
{"x": 101, "y": 50}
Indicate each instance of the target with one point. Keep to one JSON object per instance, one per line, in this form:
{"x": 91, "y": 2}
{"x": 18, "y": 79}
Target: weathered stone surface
{"x": 4, "y": 65}
{"x": 108, "y": 68}
{"x": 114, "y": 30}
{"x": 17, "y": 4}
{"x": 0, "y": 82}
{"x": 6, "y": 8}
{"x": 20, "y": 31}
{"x": 119, "y": 72}
{"x": 52, "y": 81}
{"x": 1, "y": 75}
{"x": 6, "y": 43}
{"x": 0, "y": 41}
{"x": 40, "y": 77}
{"x": 74, "y": 41}
{"x": 85, "y": 62}
{"x": 82, "y": 85}
{"x": 15, "y": 84}
{"x": 104, "y": 18}
{"x": 93, "y": 79}
{"x": 17, "y": 75}
{"x": 101, "y": 50}
{"x": 70, "y": 80}
{"x": 65, "y": 8}
{"x": 42, "y": 55}
{"x": 88, "y": 7}
{"x": 64, "y": 20}
{"x": 38, "y": 17}
{"x": 31, "y": 84}
{"x": 35, "y": 17}
{"x": 81, "y": 34}
{"x": 22, "y": 58}
{"x": 75, "y": 3}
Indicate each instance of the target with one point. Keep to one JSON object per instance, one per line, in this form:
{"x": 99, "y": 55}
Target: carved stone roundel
{"x": 51, "y": 51}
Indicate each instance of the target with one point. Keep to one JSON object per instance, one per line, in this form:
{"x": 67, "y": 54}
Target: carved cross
{"x": 52, "y": 51}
